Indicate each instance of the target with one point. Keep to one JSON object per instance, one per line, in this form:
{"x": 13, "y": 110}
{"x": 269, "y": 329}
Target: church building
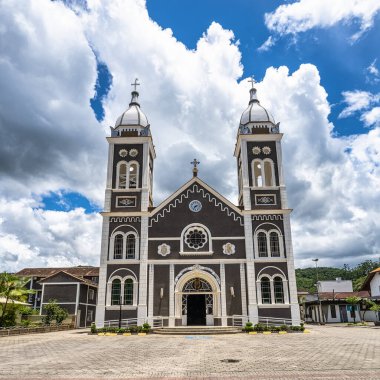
{"x": 196, "y": 258}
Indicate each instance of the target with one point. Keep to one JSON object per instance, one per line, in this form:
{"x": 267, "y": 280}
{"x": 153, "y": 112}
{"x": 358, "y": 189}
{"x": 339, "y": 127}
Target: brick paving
{"x": 326, "y": 353}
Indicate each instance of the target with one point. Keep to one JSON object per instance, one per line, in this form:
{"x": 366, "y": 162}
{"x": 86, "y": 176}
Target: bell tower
{"x": 128, "y": 197}
{"x": 262, "y": 196}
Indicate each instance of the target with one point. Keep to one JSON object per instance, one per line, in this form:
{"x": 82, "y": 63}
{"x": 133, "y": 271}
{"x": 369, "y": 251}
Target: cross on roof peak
{"x": 195, "y": 162}
{"x": 135, "y": 84}
{"x": 252, "y": 81}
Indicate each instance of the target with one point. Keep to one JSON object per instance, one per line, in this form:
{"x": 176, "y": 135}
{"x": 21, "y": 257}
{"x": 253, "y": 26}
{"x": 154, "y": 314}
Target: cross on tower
{"x": 195, "y": 162}
{"x": 252, "y": 81}
{"x": 135, "y": 84}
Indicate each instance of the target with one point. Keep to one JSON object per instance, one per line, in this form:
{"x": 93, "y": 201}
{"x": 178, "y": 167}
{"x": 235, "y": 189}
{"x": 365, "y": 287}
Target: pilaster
{"x": 223, "y": 294}
{"x": 143, "y": 278}
{"x": 171, "y": 296}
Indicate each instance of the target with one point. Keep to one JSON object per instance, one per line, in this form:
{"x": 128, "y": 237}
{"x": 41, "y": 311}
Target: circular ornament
{"x": 133, "y": 152}
{"x": 163, "y": 249}
{"x": 123, "y": 152}
{"x": 196, "y": 238}
{"x": 256, "y": 150}
{"x": 195, "y": 206}
{"x": 228, "y": 249}
{"x": 267, "y": 150}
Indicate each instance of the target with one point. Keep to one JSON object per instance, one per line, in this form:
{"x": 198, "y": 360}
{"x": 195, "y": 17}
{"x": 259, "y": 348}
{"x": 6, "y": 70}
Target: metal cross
{"x": 135, "y": 84}
{"x": 195, "y": 163}
{"x": 252, "y": 80}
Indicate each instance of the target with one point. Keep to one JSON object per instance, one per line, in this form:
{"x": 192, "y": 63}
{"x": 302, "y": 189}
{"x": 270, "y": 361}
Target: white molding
{"x": 223, "y": 294}
{"x": 123, "y": 307}
{"x": 171, "y": 296}
{"x": 110, "y": 166}
{"x": 64, "y": 283}
{"x": 122, "y": 284}
{"x": 231, "y": 260}
{"x": 196, "y": 253}
{"x": 61, "y": 303}
{"x": 213, "y": 238}
{"x": 193, "y": 187}
{"x": 142, "y": 311}
{"x": 77, "y": 299}
{"x": 274, "y": 306}
{"x": 150, "y": 293}
{"x": 243, "y": 290}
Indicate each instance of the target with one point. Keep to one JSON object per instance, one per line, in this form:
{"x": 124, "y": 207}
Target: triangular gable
{"x": 61, "y": 274}
{"x": 196, "y": 185}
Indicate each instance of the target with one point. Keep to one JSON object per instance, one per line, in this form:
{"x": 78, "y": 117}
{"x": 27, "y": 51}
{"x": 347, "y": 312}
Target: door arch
{"x": 197, "y": 282}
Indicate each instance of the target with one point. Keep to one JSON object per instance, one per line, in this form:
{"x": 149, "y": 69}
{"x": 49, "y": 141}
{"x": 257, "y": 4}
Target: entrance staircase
{"x": 197, "y": 330}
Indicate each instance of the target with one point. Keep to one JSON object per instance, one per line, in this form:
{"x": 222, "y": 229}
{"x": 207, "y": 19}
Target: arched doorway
{"x": 197, "y": 298}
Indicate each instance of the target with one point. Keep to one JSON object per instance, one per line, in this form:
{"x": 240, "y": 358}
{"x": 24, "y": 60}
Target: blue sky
{"x": 317, "y": 67}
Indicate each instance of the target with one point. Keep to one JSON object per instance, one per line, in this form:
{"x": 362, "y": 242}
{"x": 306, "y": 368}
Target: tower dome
{"x": 256, "y": 119}
{"x": 133, "y": 121}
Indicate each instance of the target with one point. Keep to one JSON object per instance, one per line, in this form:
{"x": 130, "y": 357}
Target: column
{"x": 150, "y": 294}
{"x": 244, "y": 310}
{"x": 171, "y": 296}
{"x": 143, "y": 278}
{"x": 223, "y": 294}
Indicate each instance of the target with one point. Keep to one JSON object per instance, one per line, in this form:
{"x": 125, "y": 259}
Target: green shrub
{"x": 275, "y": 328}
{"x": 146, "y": 327}
{"x": 248, "y": 327}
{"x": 259, "y": 327}
{"x": 284, "y": 328}
{"x": 93, "y": 328}
{"x": 133, "y": 329}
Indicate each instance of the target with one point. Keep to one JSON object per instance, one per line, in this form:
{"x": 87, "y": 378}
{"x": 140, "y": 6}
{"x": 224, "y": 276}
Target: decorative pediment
{"x": 199, "y": 188}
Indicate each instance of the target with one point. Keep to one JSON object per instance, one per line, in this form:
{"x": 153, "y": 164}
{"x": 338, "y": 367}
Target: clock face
{"x": 195, "y": 206}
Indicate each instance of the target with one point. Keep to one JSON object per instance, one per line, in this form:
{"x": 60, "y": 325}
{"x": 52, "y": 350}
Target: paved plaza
{"x": 326, "y": 353}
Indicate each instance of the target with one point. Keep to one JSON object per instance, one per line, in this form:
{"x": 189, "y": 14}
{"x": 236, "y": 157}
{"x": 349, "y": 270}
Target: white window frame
{"x": 271, "y": 279}
{"x": 113, "y": 277}
{"x": 128, "y": 164}
{"x": 202, "y": 251}
{"x": 117, "y": 231}
{"x": 260, "y": 228}
{"x": 264, "y": 181}
{"x": 91, "y": 294}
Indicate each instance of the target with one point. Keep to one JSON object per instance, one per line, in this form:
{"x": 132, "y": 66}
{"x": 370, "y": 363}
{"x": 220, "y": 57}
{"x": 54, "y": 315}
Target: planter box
{"x": 127, "y": 334}
{"x": 141, "y": 334}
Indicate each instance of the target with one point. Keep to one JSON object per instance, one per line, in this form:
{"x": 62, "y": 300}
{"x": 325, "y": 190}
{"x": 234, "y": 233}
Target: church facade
{"x": 196, "y": 258}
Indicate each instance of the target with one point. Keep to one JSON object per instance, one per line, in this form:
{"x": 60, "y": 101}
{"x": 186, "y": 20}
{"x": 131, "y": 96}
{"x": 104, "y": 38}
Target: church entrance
{"x": 197, "y": 303}
{"x": 196, "y": 310}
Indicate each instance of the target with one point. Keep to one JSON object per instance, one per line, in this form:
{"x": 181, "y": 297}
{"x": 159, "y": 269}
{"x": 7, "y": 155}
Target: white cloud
{"x": 373, "y": 73}
{"x": 32, "y": 237}
{"x": 361, "y": 101}
{"x": 304, "y": 15}
{"x": 193, "y": 101}
{"x": 269, "y": 42}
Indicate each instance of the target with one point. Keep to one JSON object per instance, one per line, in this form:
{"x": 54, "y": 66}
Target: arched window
{"x": 262, "y": 244}
{"x": 122, "y": 176}
{"x": 128, "y": 292}
{"x": 274, "y": 243}
{"x": 133, "y": 176}
{"x": 131, "y": 246}
{"x": 265, "y": 291}
{"x": 257, "y": 175}
{"x": 118, "y": 247}
{"x": 278, "y": 290}
{"x": 268, "y": 172}
{"x": 116, "y": 292}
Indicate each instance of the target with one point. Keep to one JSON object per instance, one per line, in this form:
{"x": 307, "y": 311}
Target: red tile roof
{"x": 80, "y": 271}
{"x": 342, "y": 295}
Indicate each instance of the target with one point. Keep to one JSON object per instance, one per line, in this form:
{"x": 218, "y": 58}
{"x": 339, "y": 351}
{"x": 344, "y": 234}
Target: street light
{"x": 120, "y": 300}
{"x": 319, "y": 299}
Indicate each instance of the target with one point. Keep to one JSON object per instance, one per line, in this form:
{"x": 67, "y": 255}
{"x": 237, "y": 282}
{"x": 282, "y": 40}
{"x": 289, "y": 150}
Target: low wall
{"x": 35, "y": 330}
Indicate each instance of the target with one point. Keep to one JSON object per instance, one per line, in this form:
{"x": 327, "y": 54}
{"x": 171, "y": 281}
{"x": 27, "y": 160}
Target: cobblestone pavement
{"x": 326, "y": 353}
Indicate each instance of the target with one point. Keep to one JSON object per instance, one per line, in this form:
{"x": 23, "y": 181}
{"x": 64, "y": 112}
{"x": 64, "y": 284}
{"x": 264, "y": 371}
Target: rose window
{"x": 196, "y": 237}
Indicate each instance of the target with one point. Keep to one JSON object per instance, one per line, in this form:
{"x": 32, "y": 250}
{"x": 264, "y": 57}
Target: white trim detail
{"x": 122, "y": 281}
{"x": 128, "y": 219}
{"x": 195, "y": 189}
{"x": 196, "y": 267}
{"x": 198, "y": 251}
{"x": 267, "y": 217}
{"x": 267, "y": 235}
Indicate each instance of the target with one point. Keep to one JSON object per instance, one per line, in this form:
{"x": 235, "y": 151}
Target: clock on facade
{"x": 195, "y": 206}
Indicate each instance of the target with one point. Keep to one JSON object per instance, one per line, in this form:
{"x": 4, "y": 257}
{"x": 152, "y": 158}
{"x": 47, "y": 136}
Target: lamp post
{"x": 319, "y": 299}
{"x": 120, "y": 300}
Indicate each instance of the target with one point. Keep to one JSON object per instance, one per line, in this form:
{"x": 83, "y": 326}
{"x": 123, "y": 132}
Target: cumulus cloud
{"x": 33, "y": 237}
{"x": 362, "y": 101}
{"x": 304, "y": 15}
{"x": 373, "y": 73}
{"x": 193, "y": 99}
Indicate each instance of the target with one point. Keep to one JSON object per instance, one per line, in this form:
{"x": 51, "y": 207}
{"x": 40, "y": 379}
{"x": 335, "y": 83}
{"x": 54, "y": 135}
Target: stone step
{"x": 201, "y": 330}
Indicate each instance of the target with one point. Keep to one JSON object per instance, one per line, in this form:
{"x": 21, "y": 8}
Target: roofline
{"x": 73, "y": 276}
{"x": 187, "y": 184}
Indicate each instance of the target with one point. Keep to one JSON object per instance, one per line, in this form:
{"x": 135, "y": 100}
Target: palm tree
{"x": 12, "y": 288}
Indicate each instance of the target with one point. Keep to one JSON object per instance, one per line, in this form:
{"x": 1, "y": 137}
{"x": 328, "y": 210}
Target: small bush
{"x": 284, "y": 328}
{"x": 133, "y": 329}
{"x": 259, "y": 327}
{"x": 248, "y": 327}
{"x": 146, "y": 327}
{"x": 275, "y": 328}
{"x": 93, "y": 328}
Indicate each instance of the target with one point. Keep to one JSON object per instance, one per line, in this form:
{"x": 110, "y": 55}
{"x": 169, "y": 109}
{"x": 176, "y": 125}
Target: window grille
{"x": 123, "y": 176}
{"x": 118, "y": 247}
{"x": 274, "y": 244}
{"x": 278, "y": 290}
{"x": 116, "y": 292}
{"x": 265, "y": 291}
{"x": 131, "y": 246}
{"x": 262, "y": 244}
{"x": 197, "y": 285}
{"x": 128, "y": 292}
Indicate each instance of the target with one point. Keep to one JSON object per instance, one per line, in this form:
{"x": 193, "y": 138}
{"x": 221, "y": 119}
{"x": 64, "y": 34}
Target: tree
{"x": 54, "y": 312}
{"x": 353, "y": 301}
{"x": 376, "y": 308}
{"x": 12, "y": 288}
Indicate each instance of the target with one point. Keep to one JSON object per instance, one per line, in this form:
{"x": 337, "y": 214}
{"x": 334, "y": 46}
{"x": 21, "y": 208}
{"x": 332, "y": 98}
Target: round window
{"x": 196, "y": 237}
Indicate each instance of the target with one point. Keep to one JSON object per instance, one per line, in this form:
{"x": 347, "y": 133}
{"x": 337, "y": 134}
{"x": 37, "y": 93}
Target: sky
{"x": 65, "y": 74}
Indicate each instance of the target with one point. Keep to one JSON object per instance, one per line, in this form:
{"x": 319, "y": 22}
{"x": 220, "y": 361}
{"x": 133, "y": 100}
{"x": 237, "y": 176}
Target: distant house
{"x": 372, "y": 283}
{"x": 75, "y": 289}
{"x": 329, "y": 305}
